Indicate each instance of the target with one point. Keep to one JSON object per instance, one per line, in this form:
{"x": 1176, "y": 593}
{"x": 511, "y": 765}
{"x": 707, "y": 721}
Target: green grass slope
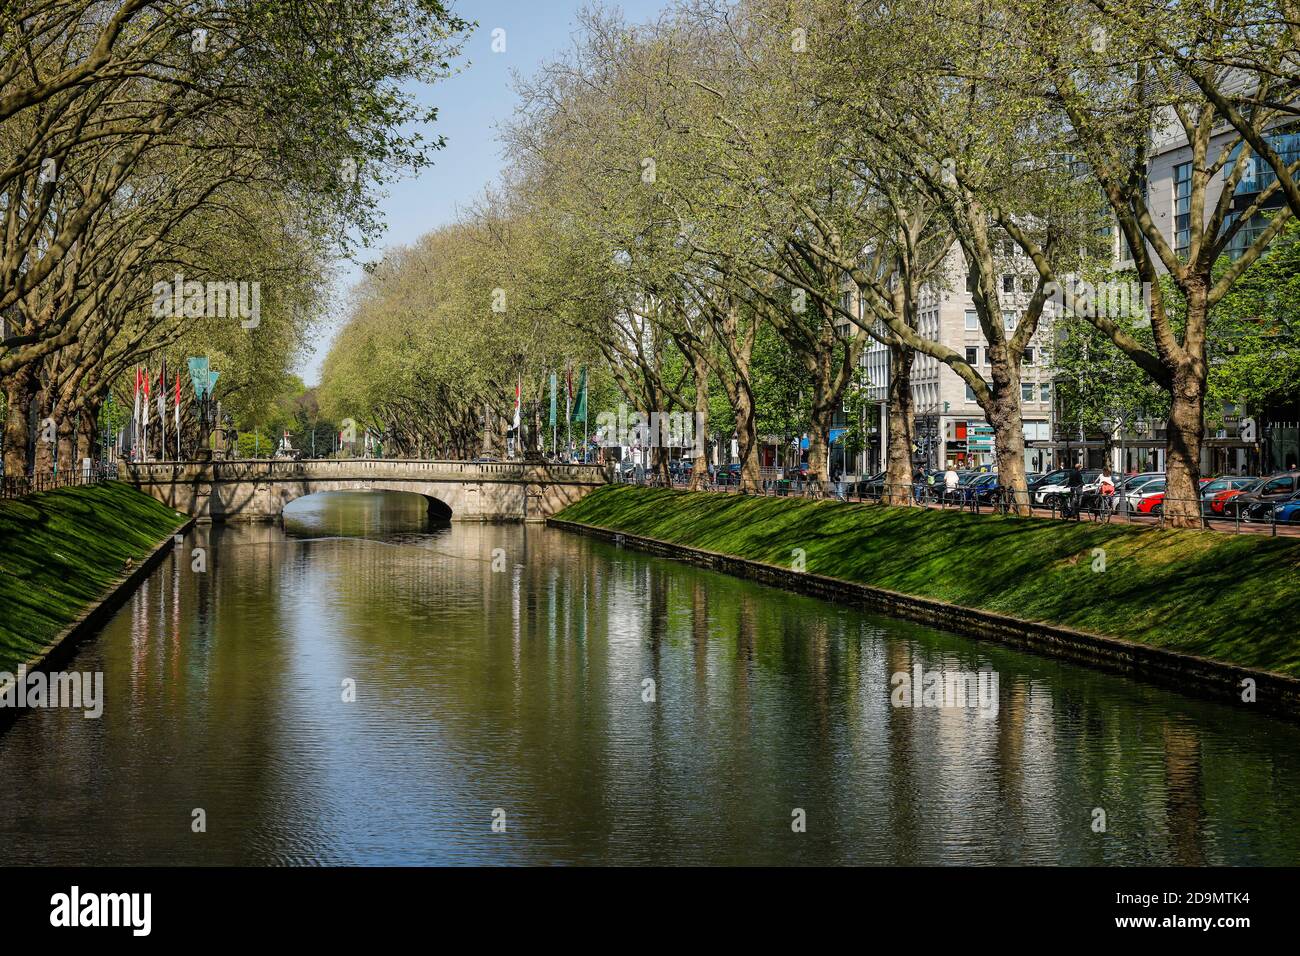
{"x": 1233, "y": 598}
{"x": 59, "y": 552}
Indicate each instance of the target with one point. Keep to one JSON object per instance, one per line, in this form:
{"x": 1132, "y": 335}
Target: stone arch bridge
{"x": 244, "y": 490}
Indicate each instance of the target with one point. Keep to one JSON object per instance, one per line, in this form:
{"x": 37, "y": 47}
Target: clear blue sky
{"x": 471, "y": 106}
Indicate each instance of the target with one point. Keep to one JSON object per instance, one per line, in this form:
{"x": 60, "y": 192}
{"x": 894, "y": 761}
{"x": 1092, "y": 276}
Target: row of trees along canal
{"x": 686, "y": 196}
{"x": 218, "y": 142}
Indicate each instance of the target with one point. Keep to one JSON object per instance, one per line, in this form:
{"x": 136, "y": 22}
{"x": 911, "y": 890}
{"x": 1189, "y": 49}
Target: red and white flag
{"x": 178, "y": 416}
{"x": 162, "y": 399}
{"x": 515, "y": 426}
{"x": 135, "y": 413}
{"x": 144, "y": 415}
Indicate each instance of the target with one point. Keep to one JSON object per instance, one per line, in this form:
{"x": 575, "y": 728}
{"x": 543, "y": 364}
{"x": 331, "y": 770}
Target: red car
{"x": 1154, "y": 503}
{"x": 1149, "y": 498}
{"x": 1216, "y": 494}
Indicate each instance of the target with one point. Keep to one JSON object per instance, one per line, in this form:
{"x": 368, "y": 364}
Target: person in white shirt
{"x": 950, "y": 481}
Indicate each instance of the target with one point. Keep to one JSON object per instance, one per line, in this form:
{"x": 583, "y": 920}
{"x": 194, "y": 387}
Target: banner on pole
{"x": 199, "y": 377}
{"x": 580, "y": 405}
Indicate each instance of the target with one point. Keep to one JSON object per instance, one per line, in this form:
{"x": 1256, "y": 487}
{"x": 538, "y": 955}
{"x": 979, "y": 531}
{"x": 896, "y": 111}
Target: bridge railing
{"x": 243, "y": 469}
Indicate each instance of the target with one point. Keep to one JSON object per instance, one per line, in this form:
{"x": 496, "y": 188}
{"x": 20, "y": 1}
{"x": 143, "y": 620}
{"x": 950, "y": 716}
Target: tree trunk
{"x": 88, "y": 432}
{"x": 820, "y": 416}
{"x": 67, "y": 440}
{"x": 700, "y": 460}
{"x": 1182, "y": 504}
{"x": 1009, "y": 430}
{"x": 663, "y": 455}
{"x": 19, "y": 391}
{"x": 751, "y": 476}
{"x": 45, "y": 461}
{"x": 898, "y": 469}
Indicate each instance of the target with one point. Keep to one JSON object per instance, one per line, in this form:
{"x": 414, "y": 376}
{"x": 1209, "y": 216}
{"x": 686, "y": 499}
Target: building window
{"x": 1182, "y": 208}
{"x": 988, "y": 356}
{"x": 972, "y": 355}
{"x": 972, "y": 320}
{"x": 970, "y": 394}
{"x": 1027, "y": 391}
{"x": 1008, "y": 283}
{"x": 1009, "y": 321}
{"x": 1029, "y": 356}
{"x": 1245, "y": 238}
{"x": 1259, "y": 174}
{"x": 1046, "y": 392}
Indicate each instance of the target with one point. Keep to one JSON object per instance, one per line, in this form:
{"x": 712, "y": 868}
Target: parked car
{"x": 797, "y": 472}
{"x": 1050, "y": 478}
{"x": 1156, "y": 503}
{"x": 1218, "y": 490}
{"x": 1139, "y": 487}
{"x": 870, "y": 487}
{"x": 1287, "y": 511}
{"x": 1267, "y": 491}
{"x": 984, "y": 488}
{"x": 1149, "y": 498}
{"x": 1042, "y": 494}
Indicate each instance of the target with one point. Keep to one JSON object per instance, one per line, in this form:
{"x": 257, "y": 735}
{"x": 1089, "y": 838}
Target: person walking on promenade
{"x": 1075, "y": 484}
{"x": 1106, "y": 491}
{"x": 950, "y": 481}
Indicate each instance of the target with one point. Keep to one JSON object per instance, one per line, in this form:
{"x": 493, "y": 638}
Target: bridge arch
{"x": 441, "y": 502}
{"x": 437, "y": 510}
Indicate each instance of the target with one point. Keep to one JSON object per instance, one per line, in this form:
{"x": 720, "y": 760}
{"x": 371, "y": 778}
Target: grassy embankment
{"x": 1232, "y": 598}
{"x": 60, "y": 551}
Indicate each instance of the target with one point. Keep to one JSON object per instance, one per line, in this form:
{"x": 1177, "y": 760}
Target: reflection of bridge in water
{"x": 460, "y": 490}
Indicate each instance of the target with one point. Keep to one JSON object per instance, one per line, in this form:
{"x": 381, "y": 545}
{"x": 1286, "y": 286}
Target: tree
{"x": 1118, "y": 94}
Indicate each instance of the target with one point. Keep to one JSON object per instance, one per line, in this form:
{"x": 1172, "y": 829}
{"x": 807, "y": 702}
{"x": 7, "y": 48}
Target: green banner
{"x": 200, "y": 377}
{"x": 580, "y": 406}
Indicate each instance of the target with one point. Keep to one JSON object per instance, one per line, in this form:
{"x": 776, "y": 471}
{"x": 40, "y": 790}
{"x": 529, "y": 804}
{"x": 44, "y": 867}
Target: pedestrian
{"x": 950, "y": 481}
{"x": 918, "y": 484}
{"x": 1106, "y": 489}
{"x": 1075, "y": 484}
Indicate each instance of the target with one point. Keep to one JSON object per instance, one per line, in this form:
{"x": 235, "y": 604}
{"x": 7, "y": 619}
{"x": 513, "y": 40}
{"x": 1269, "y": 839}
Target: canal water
{"x": 357, "y": 687}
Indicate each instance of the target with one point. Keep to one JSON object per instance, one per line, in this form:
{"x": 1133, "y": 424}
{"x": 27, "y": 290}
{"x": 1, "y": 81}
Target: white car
{"x": 1044, "y": 493}
{"x": 1131, "y": 490}
{"x": 1135, "y": 492}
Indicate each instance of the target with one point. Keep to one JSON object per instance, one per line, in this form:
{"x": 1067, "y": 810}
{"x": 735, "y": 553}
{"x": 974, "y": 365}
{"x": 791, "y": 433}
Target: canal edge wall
{"x": 1274, "y": 693}
{"x": 93, "y": 617}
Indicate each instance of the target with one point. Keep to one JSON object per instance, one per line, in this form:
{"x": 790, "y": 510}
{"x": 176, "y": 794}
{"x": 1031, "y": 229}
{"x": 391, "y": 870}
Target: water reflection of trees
{"x": 522, "y": 688}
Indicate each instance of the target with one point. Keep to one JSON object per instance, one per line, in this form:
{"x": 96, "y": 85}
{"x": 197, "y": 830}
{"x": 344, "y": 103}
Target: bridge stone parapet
{"x": 464, "y": 491}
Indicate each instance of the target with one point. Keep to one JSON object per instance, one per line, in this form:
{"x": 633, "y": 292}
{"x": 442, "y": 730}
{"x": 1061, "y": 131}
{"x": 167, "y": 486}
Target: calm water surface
{"x": 521, "y": 690}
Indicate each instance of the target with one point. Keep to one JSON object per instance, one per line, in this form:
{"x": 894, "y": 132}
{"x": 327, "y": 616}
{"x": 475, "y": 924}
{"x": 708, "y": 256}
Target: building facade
{"x": 949, "y": 426}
